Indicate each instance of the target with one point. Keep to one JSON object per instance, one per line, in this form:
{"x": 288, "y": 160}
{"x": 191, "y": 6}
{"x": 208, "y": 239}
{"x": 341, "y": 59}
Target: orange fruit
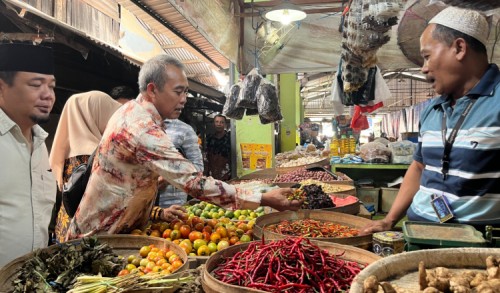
{"x": 215, "y": 237}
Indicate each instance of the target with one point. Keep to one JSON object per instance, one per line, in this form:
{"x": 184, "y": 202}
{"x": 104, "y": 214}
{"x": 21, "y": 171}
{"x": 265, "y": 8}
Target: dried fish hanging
{"x": 365, "y": 31}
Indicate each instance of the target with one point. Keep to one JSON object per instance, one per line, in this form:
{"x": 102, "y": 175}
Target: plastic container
{"x": 388, "y": 243}
{"x": 334, "y": 146}
{"x": 344, "y": 145}
{"x": 352, "y": 145}
{"x": 424, "y": 235}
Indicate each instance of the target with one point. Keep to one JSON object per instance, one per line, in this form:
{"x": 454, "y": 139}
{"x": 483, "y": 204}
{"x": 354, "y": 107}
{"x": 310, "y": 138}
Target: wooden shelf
{"x": 381, "y": 174}
{"x": 370, "y": 166}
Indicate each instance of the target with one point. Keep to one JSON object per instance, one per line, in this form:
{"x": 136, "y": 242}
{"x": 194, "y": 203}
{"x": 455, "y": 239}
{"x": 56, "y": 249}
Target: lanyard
{"x": 448, "y": 143}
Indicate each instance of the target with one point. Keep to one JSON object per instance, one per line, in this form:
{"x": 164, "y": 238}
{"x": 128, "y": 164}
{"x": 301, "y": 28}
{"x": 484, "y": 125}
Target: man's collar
{"x": 488, "y": 82}
{"x": 148, "y": 106}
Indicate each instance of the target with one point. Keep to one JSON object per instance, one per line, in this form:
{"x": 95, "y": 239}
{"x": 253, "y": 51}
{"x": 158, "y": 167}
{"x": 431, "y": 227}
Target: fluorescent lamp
{"x": 286, "y": 13}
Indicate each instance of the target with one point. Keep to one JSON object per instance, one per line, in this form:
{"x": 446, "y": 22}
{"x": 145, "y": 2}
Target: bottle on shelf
{"x": 352, "y": 145}
{"x": 334, "y": 146}
{"x": 344, "y": 145}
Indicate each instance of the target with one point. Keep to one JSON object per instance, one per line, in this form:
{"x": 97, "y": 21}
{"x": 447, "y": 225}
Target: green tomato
{"x": 212, "y": 246}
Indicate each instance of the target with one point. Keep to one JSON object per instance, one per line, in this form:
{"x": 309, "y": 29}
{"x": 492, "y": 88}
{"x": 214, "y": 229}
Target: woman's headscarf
{"x": 81, "y": 125}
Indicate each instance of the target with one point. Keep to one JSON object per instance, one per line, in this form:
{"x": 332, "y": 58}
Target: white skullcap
{"x": 469, "y": 22}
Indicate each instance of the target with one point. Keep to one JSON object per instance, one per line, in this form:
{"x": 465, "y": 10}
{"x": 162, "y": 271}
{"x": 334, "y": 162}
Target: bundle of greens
{"x": 182, "y": 282}
{"x": 57, "y": 270}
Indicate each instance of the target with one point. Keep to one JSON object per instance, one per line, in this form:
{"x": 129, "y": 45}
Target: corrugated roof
{"x": 179, "y": 38}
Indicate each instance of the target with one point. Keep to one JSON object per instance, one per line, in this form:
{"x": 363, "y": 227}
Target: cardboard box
{"x": 388, "y": 195}
{"x": 369, "y": 195}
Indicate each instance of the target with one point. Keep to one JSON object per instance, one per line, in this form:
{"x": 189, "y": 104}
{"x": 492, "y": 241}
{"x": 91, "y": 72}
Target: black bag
{"x": 74, "y": 188}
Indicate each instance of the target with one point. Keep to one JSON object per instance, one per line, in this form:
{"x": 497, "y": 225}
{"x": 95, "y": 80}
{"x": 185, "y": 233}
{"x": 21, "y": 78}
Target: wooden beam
{"x": 273, "y": 3}
{"x": 26, "y": 37}
{"x": 308, "y": 11}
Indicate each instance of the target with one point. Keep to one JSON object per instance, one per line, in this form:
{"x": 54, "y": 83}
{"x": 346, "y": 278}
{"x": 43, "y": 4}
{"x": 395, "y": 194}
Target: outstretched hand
{"x": 375, "y": 226}
{"x": 174, "y": 212}
{"x": 278, "y": 199}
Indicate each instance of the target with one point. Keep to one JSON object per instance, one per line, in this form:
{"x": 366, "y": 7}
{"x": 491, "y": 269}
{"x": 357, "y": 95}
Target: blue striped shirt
{"x": 183, "y": 137}
{"x": 473, "y": 184}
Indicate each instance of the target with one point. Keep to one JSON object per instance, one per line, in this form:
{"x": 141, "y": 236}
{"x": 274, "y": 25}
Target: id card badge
{"x": 441, "y": 208}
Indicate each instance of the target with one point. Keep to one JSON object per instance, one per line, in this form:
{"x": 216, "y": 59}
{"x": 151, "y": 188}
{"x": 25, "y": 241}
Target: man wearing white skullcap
{"x": 27, "y": 186}
{"x": 455, "y": 175}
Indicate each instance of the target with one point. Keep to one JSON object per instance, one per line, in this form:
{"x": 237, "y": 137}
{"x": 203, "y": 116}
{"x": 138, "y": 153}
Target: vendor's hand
{"x": 375, "y": 226}
{"x": 174, "y": 212}
{"x": 278, "y": 199}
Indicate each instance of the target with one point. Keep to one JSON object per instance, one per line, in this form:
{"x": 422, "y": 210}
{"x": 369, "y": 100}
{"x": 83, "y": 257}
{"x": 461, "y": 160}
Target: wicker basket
{"x": 212, "y": 285}
{"x": 402, "y": 269}
{"x": 321, "y": 163}
{"x": 122, "y": 245}
{"x": 327, "y": 216}
{"x": 345, "y": 186}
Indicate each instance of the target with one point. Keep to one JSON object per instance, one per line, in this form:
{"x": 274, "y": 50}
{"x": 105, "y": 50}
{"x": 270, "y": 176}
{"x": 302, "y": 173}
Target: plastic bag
{"x": 251, "y": 112}
{"x": 248, "y": 94}
{"x": 375, "y": 152}
{"x": 230, "y": 108}
{"x": 402, "y": 148}
{"x": 268, "y": 102}
{"x": 382, "y": 140}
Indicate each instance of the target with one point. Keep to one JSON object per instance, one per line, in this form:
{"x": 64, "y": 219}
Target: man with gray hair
{"x": 455, "y": 175}
{"x": 135, "y": 151}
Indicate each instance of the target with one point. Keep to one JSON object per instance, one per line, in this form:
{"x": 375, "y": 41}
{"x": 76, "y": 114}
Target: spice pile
{"x": 312, "y": 228}
{"x": 315, "y": 198}
{"x": 291, "y": 265}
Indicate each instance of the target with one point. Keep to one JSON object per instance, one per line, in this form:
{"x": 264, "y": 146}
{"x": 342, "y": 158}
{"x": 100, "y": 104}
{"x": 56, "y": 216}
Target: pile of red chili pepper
{"x": 312, "y": 228}
{"x": 291, "y": 265}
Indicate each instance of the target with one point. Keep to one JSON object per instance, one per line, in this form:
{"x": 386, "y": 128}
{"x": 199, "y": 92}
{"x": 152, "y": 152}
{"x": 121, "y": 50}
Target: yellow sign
{"x": 256, "y": 156}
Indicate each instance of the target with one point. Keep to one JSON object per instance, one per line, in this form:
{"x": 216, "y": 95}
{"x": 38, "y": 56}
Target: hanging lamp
{"x": 286, "y": 13}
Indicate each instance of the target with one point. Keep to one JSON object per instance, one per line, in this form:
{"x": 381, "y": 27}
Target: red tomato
{"x": 195, "y": 235}
{"x": 185, "y": 230}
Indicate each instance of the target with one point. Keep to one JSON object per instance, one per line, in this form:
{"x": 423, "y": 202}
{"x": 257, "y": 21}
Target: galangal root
{"x": 443, "y": 280}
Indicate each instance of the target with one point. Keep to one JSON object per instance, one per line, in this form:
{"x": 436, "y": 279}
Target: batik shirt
{"x": 133, "y": 153}
{"x": 218, "y": 157}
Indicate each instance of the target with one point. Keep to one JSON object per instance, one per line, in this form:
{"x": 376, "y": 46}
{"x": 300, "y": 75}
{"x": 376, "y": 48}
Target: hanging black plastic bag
{"x": 268, "y": 102}
{"x": 248, "y": 93}
{"x": 364, "y": 94}
{"x": 230, "y": 109}
{"x": 251, "y": 112}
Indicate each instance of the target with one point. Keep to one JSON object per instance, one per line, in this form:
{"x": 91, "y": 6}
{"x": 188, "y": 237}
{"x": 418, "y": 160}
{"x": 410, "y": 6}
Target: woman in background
{"x": 79, "y": 131}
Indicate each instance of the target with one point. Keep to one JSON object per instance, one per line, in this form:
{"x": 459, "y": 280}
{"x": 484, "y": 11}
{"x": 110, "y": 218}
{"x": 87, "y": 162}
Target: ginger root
{"x": 370, "y": 285}
{"x": 422, "y": 276}
{"x": 492, "y": 268}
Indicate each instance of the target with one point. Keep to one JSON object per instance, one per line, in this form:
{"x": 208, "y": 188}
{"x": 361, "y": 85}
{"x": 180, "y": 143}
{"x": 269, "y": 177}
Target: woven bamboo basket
{"x": 320, "y": 163}
{"x": 402, "y": 269}
{"x": 364, "y": 241}
{"x": 345, "y": 187}
{"x": 212, "y": 285}
{"x": 122, "y": 245}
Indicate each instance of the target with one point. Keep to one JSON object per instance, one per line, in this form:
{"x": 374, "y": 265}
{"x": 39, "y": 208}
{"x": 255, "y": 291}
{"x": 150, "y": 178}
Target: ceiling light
{"x": 286, "y": 13}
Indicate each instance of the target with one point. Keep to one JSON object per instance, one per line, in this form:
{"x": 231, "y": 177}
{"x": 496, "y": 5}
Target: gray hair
{"x": 153, "y": 70}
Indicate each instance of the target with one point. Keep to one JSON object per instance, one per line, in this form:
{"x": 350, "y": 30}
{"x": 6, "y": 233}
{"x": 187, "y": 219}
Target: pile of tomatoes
{"x": 200, "y": 237}
{"x": 152, "y": 259}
